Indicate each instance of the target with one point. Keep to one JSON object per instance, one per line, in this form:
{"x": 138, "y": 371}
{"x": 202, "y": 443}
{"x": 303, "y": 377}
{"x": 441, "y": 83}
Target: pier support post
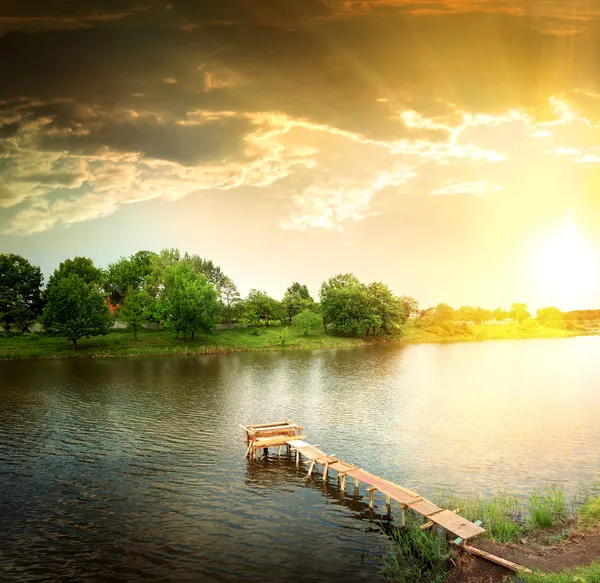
{"x": 325, "y": 470}
{"x": 297, "y": 459}
{"x": 356, "y": 488}
{"x": 403, "y": 507}
{"x": 310, "y": 469}
{"x": 371, "y": 492}
{"x": 388, "y": 505}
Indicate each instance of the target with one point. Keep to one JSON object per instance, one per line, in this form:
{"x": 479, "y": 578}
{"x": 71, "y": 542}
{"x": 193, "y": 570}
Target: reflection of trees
{"x": 276, "y": 472}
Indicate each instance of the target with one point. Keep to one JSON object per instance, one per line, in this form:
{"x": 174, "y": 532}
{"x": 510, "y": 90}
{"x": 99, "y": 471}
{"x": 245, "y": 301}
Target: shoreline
{"x": 119, "y": 343}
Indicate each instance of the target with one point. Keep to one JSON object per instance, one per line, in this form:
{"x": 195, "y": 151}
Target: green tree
{"x": 210, "y": 270}
{"x": 387, "y": 311}
{"x": 259, "y": 305}
{"x": 83, "y": 267}
{"x": 410, "y": 305}
{"x": 136, "y": 309}
{"x": 519, "y": 312}
{"x": 307, "y": 321}
{"x": 230, "y": 301}
{"x": 74, "y": 309}
{"x": 190, "y": 299}
{"x": 127, "y": 275}
{"x": 345, "y": 305}
{"x": 20, "y": 292}
{"x": 296, "y": 299}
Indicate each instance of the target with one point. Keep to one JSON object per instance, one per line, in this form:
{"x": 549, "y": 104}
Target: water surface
{"x": 133, "y": 469}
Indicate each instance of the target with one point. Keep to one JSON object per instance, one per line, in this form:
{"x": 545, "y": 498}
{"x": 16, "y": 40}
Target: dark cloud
{"x": 50, "y": 178}
{"x": 354, "y": 66}
{"x": 9, "y": 130}
{"x": 185, "y": 144}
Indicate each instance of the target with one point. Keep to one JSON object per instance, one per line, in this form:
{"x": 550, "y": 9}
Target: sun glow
{"x": 564, "y": 269}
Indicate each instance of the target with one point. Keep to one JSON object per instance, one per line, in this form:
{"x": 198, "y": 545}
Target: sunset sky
{"x": 450, "y": 148}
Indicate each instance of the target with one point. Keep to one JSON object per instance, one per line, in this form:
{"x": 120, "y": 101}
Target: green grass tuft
{"x": 547, "y": 507}
{"x": 588, "y": 516}
{"x": 415, "y": 555}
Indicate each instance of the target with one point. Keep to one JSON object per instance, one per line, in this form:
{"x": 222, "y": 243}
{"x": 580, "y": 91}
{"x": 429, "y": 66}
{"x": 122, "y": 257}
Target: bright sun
{"x": 564, "y": 267}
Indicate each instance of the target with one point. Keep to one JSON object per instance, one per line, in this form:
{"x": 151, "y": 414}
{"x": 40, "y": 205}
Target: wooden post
{"x": 388, "y": 504}
{"x": 278, "y": 451}
{"x": 297, "y": 459}
{"x": 371, "y": 492}
{"x": 325, "y": 470}
{"x": 356, "y": 488}
{"x": 310, "y": 469}
{"x": 403, "y": 507}
{"x": 343, "y": 482}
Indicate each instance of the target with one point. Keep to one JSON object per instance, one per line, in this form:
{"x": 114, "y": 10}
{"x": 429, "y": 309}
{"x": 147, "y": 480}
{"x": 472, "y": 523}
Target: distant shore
{"x": 121, "y": 343}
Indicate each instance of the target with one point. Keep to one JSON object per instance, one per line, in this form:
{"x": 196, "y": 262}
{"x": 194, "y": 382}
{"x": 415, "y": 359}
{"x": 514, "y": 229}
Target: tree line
{"x": 186, "y": 294}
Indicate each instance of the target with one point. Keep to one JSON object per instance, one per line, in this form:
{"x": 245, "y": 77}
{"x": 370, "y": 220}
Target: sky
{"x": 449, "y": 148}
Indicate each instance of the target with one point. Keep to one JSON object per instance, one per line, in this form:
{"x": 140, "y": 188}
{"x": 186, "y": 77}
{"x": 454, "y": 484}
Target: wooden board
{"x": 457, "y": 524}
{"x": 494, "y": 559}
{"x": 274, "y": 440}
{"x": 424, "y": 507}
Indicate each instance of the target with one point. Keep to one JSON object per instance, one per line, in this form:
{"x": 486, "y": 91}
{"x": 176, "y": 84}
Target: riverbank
{"x": 560, "y": 544}
{"x": 121, "y": 343}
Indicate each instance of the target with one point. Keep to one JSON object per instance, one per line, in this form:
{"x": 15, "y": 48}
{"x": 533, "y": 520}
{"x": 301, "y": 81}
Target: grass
{"x": 506, "y": 518}
{"x": 500, "y": 515}
{"x": 588, "y": 574}
{"x": 119, "y": 342}
{"x": 415, "y": 555}
{"x": 588, "y": 516}
{"x": 548, "y": 507}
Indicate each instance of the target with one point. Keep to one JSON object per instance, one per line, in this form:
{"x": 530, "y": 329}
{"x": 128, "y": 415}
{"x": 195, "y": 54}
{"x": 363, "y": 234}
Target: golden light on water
{"x": 564, "y": 267}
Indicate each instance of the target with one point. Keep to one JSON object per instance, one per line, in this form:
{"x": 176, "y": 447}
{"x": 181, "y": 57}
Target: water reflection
{"x": 117, "y": 469}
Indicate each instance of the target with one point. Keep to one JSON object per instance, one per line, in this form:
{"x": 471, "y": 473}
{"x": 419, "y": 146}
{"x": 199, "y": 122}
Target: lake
{"x": 134, "y": 469}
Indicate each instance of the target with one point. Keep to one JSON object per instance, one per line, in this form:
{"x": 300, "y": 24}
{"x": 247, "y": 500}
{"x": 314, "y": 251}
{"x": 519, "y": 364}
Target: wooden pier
{"x": 289, "y": 435}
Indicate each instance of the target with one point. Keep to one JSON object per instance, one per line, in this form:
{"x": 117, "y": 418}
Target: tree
{"x": 190, "y": 299}
{"x": 230, "y": 301}
{"x": 551, "y": 316}
{"x": 296, "y": 299}
{"x": 500, "y": 314}
{"x": 260, "y": 307}
{"x": 307, "y": 321}
{"x": 20, "y": 292}
{"x": 83, "y": 267}
{"x": 410, "y": 305}
{"x": 210, "y": 270}
{"x": 136, "y": 309}
{"x": 443, "y": 312}
{"x": 519, "y": 312}
{"x": 127, "y": 275}
{"x": 345, "y": 305}
{"x": 387, "y": 311}
{"x": 74, "y": 309}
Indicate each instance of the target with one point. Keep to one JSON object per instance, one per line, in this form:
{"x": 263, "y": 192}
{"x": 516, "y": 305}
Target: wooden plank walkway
{"x": 287, "y": 433}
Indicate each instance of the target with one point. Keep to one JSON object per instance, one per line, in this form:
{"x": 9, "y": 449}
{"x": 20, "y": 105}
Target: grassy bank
{"x": 542, "y": 524}
{"x": 161, "y": 342}
{"x": 121, "y": 342}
